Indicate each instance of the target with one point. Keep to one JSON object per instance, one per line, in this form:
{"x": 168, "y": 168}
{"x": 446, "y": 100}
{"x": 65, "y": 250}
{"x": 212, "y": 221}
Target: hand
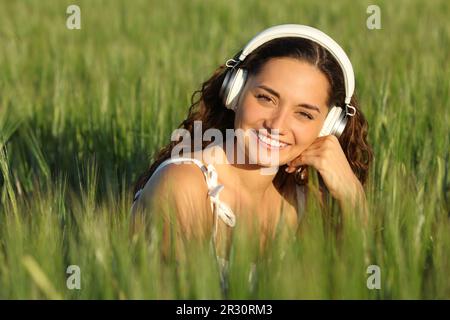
{"x": 325, "y": 154}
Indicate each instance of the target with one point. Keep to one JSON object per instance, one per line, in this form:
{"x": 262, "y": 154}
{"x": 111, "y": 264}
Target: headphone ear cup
{"x": 334, "y": 123}
{"x": 340, "y": 124}
{"x": 233, "y": 87}
{"x": 225, "y": 88}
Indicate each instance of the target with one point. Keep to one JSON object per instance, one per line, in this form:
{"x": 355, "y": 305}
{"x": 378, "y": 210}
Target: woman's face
{"x": 288, "y": 95}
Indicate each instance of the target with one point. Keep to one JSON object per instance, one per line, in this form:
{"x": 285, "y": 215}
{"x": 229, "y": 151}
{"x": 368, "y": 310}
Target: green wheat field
{"x": 83, "y": 111}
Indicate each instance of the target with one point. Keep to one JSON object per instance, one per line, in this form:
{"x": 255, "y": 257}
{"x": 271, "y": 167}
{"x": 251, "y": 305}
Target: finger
{"x": 298, "y": 161}
{"x": 312, "y": 160}
{"x": 289, "y": 169}
{"x": 313, "y": 147}
{"x": 317, "y": 142}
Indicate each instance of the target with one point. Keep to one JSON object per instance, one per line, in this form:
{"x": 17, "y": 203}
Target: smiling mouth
{"x": 269, "y": 142}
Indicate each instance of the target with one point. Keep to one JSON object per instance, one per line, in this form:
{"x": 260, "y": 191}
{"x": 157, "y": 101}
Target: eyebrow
{"x": 305, "y": 105}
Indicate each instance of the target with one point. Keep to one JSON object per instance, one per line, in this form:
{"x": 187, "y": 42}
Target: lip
{"x": 268, "y": 146}
{"x": 268, "y": 135}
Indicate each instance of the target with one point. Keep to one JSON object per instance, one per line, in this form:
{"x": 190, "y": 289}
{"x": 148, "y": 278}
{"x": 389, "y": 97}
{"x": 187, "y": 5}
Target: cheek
{"x": 251, "y": 111}
{"x": 304, "y": 136}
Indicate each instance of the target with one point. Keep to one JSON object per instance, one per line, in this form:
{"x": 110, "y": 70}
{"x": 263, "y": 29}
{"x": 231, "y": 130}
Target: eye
{"x": 264, "y": 97}
{"x": 306, "y": 115}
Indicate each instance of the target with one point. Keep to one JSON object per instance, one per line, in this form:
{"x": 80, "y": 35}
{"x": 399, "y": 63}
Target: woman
{"x": 291, "y": 82}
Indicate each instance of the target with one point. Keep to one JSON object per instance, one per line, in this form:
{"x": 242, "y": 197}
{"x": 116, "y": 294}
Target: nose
{"x": 277, "y": 123}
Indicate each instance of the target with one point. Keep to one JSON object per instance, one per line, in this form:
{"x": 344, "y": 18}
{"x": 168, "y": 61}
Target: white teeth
{"x": 272, "y": 142}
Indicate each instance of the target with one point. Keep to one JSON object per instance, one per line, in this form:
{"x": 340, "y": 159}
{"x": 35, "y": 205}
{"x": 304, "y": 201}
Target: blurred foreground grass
{"x": 82, "y": 111}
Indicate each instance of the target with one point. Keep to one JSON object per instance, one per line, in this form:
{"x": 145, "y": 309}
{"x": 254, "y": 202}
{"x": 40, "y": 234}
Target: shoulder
{"x": 175, "y": 179}
{"x": 181, "y": 187}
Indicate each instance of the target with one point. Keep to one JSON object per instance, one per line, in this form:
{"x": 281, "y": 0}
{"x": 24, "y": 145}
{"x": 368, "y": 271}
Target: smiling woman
{"x": 285, "y": 93}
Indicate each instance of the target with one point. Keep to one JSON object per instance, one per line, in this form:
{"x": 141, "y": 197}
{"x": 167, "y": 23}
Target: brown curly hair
{"x": 210, "y": 109}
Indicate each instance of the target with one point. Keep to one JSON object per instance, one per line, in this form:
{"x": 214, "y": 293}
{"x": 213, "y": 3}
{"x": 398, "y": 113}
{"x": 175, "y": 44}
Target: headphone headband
{"x": 310, "y": 33}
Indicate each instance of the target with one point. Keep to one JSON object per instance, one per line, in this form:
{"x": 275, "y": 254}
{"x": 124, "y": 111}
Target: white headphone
{"x": 235, "y": 78}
